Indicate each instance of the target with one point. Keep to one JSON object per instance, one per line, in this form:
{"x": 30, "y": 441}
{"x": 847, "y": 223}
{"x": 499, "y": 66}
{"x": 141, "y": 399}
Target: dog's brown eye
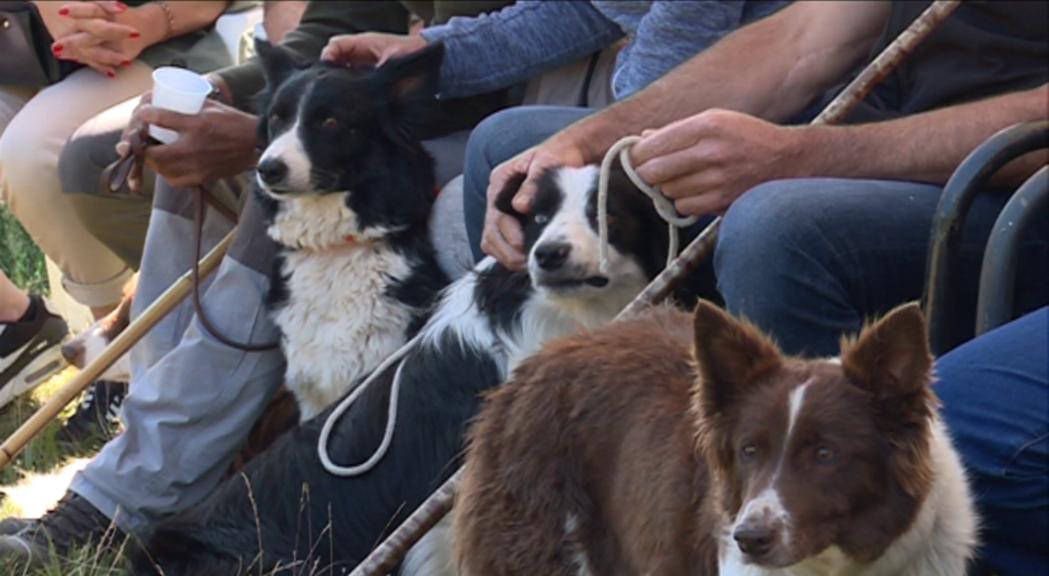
{"x": 824, "y": 454}
{"x": 330, "y": 123}
{"x": 748, "y": 451}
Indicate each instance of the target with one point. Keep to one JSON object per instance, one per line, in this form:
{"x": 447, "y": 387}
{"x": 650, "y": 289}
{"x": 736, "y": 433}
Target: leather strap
{"x": 114, "y": 181}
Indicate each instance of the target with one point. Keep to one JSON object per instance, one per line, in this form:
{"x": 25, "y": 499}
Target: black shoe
{"x": 98, "y": 415}
{"x": 30, "y": 350}
{"x": 73, "y": 523}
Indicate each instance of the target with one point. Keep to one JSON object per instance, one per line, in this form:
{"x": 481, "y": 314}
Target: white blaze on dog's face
{"x": 814, "y": 458}
{"x": 562, "y": 242}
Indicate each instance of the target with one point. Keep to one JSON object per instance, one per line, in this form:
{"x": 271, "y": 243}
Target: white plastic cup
{"x": 178, "y": 90}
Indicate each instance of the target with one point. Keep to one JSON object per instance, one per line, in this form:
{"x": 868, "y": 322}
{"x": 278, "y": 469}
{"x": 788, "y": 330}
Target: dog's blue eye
{"x": 541, "y": 218}
{"x": 824, "y": 454}
{"x": 748, "y": 451}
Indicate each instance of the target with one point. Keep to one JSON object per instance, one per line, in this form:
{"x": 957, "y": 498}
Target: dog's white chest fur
{"x": 338, "y": 323}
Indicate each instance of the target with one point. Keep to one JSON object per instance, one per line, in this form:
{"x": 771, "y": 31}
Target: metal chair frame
{"x": 972, "y": 176}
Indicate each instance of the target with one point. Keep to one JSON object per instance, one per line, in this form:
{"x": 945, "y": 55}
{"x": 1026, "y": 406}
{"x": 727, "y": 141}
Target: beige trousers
{"x": 34, "y": 126}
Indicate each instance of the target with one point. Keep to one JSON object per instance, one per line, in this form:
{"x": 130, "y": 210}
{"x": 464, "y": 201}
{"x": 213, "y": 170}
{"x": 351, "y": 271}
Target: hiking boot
{"x": 73, "y": 523}
{"x": 98, "y": 414}
{"x": 30, "y": 350}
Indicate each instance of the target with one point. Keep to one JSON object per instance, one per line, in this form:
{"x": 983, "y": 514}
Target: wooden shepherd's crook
{"x": 117, "y": 348}
{"x": 390, "y": 552}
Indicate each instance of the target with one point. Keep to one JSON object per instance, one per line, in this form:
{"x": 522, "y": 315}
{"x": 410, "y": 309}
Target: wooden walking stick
{"x": 390, "y": 552}
{"x": 117, "y": 348}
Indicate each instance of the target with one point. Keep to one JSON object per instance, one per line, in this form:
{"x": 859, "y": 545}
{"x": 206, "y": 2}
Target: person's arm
{"x": 320, "y": 21}
{"x": 924, "y": 147}
{"x": 771, "y": 69}
{"x": 706, "y": 161}
{"x": 492, "y": 51}
{"x": 158, "y": 22}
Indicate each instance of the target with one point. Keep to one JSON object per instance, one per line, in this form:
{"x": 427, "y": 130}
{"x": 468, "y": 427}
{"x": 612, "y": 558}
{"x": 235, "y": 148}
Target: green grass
{"x": 20, "y": 258}
{"x": 43, "y": 455}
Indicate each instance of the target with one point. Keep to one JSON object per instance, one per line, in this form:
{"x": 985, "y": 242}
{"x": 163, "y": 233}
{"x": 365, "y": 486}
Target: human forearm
{"x": 925, "y": 147}
{"x": 320, "y": 21}
{"x": 770, "y": 69}
{"x": 157, "y": 23}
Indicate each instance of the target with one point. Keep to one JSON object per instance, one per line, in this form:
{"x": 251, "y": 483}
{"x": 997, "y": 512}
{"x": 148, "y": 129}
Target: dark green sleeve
{"x": 320, "y": 21}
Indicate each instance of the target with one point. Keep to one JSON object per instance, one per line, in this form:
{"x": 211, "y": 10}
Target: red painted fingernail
{"x": 121, "y": 6}
{"x": 126, "y": 63}
{"x": 110, "y": 74}
{"x": 57, "y": 48}
{"x": 63, "y": 12}
{"x": 135, "y": 35}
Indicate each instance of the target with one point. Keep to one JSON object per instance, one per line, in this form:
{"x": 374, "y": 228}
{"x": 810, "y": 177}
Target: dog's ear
{"x": 732, "y": 356}
{"x": 412, "y": 84}
{"x": 891, "y": 357}
{"x": 415, "y": 77}
{"x": 277, "y": 62}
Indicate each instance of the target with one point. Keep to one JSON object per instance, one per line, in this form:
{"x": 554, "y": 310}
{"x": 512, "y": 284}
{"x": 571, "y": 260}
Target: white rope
{"x": 347, "y": 402}
{"x": 664, "y": 207}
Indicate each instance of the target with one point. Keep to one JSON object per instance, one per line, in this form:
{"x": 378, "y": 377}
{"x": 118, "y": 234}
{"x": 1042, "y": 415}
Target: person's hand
{"x": 370, "y": 48}
{"x": 503, "y": 238}
{"x": 706, "y": 161}
{"x": 90, "y": 33}
{"x": 217, "y": 142}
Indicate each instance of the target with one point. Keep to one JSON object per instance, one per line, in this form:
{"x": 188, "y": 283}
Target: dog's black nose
{"x": 552, "y": 255}
{"x": 754, "y": 541}
{"x": 272, "y": 171}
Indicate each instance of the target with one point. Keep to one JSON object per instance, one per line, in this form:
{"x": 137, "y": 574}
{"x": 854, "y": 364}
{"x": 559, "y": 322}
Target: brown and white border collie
{"x": 652, "y": 447}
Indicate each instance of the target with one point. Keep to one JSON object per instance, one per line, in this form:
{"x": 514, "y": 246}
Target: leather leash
{"x": 114, "y": 182}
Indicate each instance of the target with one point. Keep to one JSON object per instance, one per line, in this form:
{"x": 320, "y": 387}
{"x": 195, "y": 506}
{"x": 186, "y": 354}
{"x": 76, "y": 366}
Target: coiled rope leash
{"x": 664, "y": 207}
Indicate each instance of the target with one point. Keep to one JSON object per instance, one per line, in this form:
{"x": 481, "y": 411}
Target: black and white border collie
{"x": 348, "y": 192}
{"x": 287, "y": 511}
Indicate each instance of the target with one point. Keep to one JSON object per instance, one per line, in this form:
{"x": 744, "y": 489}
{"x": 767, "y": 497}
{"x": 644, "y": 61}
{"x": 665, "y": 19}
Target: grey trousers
{"x": 193, "y": 400}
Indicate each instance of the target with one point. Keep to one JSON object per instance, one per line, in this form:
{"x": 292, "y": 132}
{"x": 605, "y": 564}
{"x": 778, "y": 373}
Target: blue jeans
{"x": 995, "y": 393}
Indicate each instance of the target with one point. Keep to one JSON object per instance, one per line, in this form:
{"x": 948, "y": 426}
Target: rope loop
{"x": 664, "y": 207}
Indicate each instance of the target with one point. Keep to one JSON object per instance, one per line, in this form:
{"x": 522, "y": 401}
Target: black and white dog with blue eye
{"x": 287, "y": 513}
{"x": 348, "y": 193}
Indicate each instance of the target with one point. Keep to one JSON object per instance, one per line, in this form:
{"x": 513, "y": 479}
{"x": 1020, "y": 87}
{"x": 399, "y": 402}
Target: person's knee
{"x": 755, "y": 236}
{"x": 23, "y": 158}
{"x": 82, "y": 160}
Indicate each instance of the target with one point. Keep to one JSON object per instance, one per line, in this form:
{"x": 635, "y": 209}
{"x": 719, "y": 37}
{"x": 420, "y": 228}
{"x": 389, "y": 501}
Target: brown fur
{"x": 588, "y": 427}
{"x": 619, "y": 429}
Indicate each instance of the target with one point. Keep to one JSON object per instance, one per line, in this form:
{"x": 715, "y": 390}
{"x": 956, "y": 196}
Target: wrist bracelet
{"x": 169, "y": 19}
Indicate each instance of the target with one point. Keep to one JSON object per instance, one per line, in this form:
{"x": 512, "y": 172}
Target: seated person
{"x": 995, "y": 395}
{"x": 118, "y": 46}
